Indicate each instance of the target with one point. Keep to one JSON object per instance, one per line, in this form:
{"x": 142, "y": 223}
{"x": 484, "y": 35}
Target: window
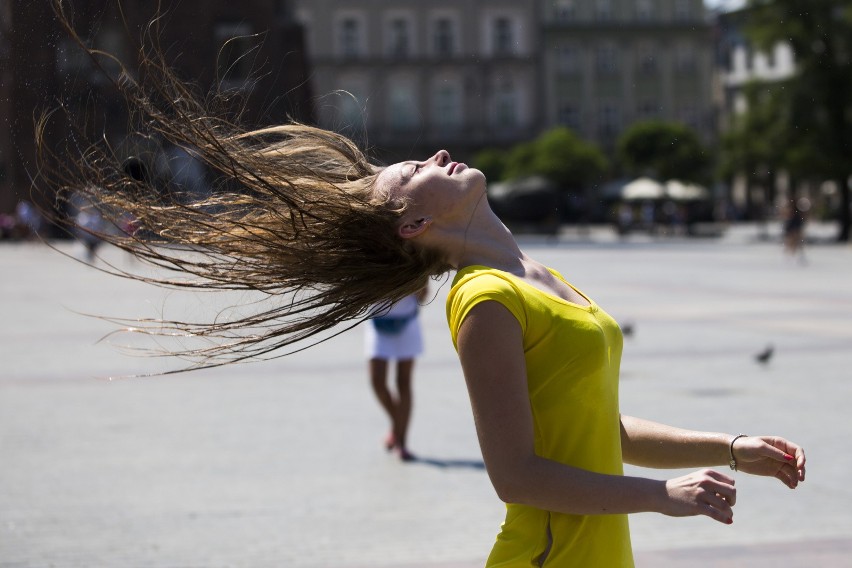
{"x": 769, "y": 54}
{"x": 688, "y": 114}
{"x": 404, "y": 115}
{"x": 504, "y": 40}
{"x": 683, "y": 10}
{"x": 685, "y": 60}
{"x": 567, "y": 59}
{"x": 644, "y": 10}
{"x": 603, "y": 10}
{"x": 506, "y": 106}
{"x": 647, "y": 109}
{"x": 399, "y": 38}
{"x": 606, "y": 60}
{"x": 446, "y": 110}
{"x": 234, "y": 59}
{"x": 647, "y": 60}
{"x": 350, "y": 37}
{"x": 739, "y": 60}
{"x": 444, "y": 37}
{"x": 609, "y": 119}
{"x": 565, "y": 10}
{"x": 351, "y": 111}
{"x": 568, "y": 115}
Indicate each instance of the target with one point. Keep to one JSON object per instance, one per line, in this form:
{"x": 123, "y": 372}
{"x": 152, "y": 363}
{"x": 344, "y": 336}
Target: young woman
{"x": 303, "y": 218}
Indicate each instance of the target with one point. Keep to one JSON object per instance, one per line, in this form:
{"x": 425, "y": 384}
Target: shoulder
{"x": 476, "y": 284}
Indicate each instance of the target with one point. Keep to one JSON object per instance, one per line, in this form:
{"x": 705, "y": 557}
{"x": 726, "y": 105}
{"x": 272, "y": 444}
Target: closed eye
{"x": 415, "y": 167}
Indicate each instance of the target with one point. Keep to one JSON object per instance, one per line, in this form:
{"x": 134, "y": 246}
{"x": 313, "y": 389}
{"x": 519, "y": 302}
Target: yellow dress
{"x": 573, "y": 354}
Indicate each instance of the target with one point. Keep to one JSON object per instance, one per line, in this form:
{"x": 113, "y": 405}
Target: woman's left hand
{"x": 771, "y": 455}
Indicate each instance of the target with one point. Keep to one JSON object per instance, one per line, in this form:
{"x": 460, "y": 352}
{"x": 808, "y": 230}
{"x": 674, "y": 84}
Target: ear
{"x": 414, "y": 227}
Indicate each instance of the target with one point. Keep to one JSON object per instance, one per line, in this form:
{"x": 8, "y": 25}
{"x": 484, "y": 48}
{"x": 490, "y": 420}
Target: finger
{"x": 719, "y": 476}
{"x": 721, "y": 504}
{"x": 800, "y": 463}
{"x": 721, "y": 491}
{"x": 788, "y": 476}
{"x": 777, "y": 454}
{"x": 717, "y": 514}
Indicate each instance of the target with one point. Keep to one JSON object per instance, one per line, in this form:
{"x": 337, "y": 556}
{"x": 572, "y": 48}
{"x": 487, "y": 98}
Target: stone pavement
{"x": 279, "y": 464}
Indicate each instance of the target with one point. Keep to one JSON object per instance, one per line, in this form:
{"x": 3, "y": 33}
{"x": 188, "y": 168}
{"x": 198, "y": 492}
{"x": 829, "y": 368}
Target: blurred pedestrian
{"x": 89, "y": 224}
{"x": 28, "y": 221}
{"x": 794, "y": 229}
{"x": 395, "y": 334}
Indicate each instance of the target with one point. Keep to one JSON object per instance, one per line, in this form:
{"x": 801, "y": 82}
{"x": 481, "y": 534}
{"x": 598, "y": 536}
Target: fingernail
{"x": 788, "y": 457}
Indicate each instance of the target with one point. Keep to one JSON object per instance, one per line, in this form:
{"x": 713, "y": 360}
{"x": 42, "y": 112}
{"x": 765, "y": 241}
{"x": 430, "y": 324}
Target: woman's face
{"x": 436, "y": 186}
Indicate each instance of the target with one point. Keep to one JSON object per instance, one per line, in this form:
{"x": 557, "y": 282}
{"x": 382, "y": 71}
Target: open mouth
{"x": 452, "y": 168}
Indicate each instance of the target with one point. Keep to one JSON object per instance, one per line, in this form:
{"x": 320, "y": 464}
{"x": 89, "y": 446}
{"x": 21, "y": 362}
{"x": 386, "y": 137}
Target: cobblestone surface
{"x": 279, "y": 463}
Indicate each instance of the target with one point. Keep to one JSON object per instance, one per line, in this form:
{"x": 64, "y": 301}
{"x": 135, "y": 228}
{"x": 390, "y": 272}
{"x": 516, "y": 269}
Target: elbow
{"x": 512, "y": 484}
{"x": 508, "y": 492}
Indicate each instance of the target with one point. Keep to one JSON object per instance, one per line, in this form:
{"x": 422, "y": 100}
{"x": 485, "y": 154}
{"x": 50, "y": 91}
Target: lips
{"x": 453, "y": 167}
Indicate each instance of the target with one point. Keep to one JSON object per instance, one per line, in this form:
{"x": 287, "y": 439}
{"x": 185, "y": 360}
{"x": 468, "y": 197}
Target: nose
{"x": 442, "y": 158}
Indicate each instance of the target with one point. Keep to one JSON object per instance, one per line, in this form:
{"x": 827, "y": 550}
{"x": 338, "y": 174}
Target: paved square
{"x": 280, "y": 463}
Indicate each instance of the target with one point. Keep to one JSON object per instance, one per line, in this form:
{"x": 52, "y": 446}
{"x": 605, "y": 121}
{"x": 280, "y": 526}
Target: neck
{"x": 485, "y": 241}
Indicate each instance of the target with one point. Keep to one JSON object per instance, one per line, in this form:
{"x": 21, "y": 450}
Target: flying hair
{"x": 293, "y": 215}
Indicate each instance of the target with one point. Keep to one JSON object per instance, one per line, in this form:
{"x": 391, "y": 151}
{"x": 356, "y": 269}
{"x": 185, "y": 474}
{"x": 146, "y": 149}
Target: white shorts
{"x": 407, "y": 344}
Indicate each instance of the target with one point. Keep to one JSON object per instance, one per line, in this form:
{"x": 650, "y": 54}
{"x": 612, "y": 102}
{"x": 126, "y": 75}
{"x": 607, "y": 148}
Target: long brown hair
{"x": 293, "y": 215}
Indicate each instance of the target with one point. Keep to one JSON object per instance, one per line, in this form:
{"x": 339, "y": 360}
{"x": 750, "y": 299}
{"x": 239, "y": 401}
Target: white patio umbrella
{"x": 680, "y": 191}
{"x": 643, "y": 188}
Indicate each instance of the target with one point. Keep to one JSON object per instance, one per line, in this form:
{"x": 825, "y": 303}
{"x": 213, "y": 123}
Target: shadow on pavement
{"x": 450, "y": 464}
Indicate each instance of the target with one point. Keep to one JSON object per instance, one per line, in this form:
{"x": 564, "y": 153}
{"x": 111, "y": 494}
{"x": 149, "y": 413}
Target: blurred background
{"x": 657, "y": 152}
{"x": 657, "y": 116}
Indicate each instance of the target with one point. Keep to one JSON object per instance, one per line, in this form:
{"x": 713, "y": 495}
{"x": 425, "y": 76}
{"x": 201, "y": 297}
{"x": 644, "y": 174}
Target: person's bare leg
{"x": 404, "y": 371}
{"x": 378, "y": 378}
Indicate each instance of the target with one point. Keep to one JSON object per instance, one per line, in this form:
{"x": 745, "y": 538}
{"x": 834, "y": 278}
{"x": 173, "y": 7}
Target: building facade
{"x": 252, "y": 47}
{"x": 739, "y": 63}
{"x": 609, "y": 63}
{"x": 412, "y": 77}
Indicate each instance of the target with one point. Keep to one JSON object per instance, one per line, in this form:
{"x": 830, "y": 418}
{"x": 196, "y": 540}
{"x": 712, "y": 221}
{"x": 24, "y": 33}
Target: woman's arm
{"x": 650, "y": 444}
{"x": 491, "y": 352}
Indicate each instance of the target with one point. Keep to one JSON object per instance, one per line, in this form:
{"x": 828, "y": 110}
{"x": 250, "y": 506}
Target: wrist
{"x": 657, "y": 497}
{"x": 732, "y": 456}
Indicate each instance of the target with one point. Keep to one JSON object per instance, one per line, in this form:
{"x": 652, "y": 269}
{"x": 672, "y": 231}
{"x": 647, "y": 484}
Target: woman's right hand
{"x": 704, "y": 492}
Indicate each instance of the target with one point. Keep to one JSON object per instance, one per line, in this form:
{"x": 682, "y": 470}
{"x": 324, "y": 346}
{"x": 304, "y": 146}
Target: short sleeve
{"x": 471, "y": 289}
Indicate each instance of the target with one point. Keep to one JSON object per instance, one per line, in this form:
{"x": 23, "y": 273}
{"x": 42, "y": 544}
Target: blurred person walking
{"x": 395, "y": 334}
{"x": 794, "y": 230}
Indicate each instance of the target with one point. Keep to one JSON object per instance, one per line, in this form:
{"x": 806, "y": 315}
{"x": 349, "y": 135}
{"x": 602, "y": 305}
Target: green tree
{"x": 559, "y": 155}
{"x": 755, "y": 143}
{"x": 760, "y": 142}
{"x": 567, "y": 160}
{"x": 520, "y": 161}
{"x": 820, "y": 34}
{"x": 665, "y": 150}
{"x": 492, "y": 163}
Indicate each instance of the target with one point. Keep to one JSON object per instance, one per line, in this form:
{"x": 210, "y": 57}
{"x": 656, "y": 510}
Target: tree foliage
{"x": 559, "y": 155}
{"x": 491, "y": 162}
{"x": 665, "y": 150}
{"x": 819, "y": 96}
